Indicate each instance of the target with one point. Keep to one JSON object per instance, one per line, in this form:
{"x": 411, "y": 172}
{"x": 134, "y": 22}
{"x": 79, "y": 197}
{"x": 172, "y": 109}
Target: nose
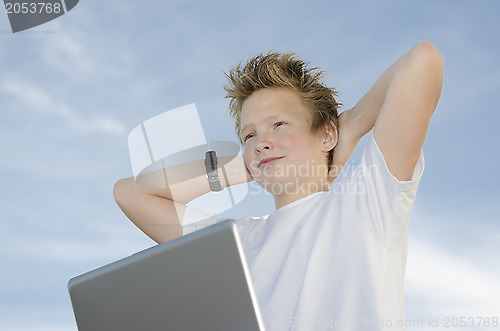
{"x": 263, "y": 143}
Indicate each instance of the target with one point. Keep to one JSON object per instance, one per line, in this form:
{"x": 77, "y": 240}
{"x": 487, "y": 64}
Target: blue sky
{"x": 72, "y": 89}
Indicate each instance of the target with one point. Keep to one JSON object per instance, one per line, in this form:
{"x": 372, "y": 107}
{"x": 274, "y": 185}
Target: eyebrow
{"x": 263, "y": 120}
{"x": 243, "y": 129}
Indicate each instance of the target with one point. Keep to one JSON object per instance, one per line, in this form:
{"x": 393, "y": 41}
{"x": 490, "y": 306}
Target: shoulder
{"x": 372, "y": 176}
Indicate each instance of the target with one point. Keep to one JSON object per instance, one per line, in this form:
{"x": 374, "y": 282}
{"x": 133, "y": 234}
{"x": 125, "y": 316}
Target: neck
{"x": 286, "y": 198}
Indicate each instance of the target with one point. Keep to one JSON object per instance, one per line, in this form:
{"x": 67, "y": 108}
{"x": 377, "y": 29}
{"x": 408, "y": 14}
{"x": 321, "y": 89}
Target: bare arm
{"x": 398, "y": 107}
{"x": 157, "y": 207}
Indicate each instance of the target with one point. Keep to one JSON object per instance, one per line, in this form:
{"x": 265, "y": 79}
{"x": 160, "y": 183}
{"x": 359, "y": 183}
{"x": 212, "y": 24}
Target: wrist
{"x": 357, "y": 122}
{"x": 232, "y": 171}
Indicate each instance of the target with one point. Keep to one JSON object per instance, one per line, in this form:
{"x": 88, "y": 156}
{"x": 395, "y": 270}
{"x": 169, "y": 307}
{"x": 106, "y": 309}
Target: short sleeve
{"x": 373, "y": 155}
{"x": 382, "y": 198}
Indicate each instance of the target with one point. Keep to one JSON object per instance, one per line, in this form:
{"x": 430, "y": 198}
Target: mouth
{"x": 268, "y": 161}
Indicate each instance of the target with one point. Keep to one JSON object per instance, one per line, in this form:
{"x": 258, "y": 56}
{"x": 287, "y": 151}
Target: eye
{"x": 278, "y": 124}
{"x": 248, "y": 136}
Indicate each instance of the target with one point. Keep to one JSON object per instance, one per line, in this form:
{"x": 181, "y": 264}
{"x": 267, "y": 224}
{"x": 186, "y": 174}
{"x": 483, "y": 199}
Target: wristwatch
{"x": 212, "y": 173}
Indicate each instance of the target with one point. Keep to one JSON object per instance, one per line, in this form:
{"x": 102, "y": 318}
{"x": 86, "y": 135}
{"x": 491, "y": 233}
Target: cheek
{"x": 250, "y": 159}
{"x": 247, "y": 157}
{"x": 298, "y": 147}
{"x": 289, "y": 143}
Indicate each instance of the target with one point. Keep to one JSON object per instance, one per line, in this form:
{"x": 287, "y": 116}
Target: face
{"x": 280, "y": 150}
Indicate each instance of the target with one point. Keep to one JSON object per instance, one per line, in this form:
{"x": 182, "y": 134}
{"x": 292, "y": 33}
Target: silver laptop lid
{"x": 196, "y": 282}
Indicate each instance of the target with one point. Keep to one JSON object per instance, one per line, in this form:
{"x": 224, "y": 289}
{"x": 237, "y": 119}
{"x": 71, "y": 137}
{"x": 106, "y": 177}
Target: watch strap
{"x": 212, "y": 173}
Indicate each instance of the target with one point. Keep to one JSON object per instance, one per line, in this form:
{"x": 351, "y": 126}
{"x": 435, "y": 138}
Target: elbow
{"x": 430, "y": 62}
{"x": 426, "y": 46}
{"x": 120, "y": 190}
{"x": 429, "y": 55}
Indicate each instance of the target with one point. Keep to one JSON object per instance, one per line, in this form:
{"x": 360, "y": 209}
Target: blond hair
{"x": 283, "y": 71}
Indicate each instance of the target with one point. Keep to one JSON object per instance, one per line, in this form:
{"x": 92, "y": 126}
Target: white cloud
{"x": 450, "y": 284}
{"x": 48, "y": 327}
{"x": 37, "y": 99}
{"x": 68, "y": 55}
{"x": 68, "y": 49}
{"x": 106, "y": 243}
{"x": 82, "y": 250}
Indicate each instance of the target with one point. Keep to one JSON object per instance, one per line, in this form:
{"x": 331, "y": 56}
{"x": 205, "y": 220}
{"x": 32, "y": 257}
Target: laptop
{"x": 196, "y": 282}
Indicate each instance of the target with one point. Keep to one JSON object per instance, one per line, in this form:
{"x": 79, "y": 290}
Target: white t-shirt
{"x": 336, "y": 259}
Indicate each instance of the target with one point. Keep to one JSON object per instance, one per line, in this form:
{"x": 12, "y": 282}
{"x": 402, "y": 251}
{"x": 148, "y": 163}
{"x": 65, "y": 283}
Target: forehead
{"x": 270, "y": 103}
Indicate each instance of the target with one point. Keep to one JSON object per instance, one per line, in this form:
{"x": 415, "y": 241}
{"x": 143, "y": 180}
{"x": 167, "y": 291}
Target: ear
{"x": 330, "y": 137}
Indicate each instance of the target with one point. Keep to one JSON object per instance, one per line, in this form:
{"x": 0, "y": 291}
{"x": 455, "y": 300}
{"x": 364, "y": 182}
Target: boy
{"x": 327, "y": 258}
